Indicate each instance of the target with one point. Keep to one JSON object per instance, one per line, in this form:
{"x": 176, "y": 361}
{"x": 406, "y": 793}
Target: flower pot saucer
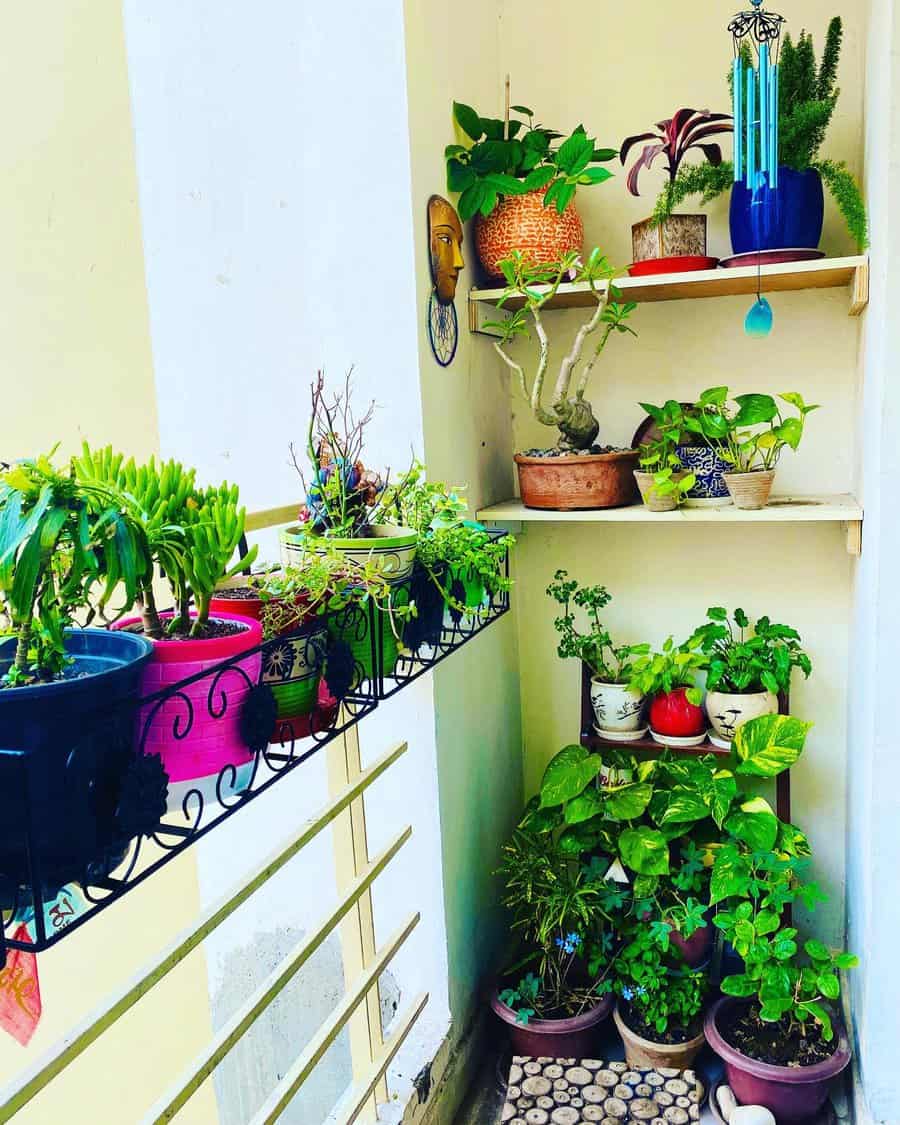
{"x": 717, "y": 740}
{"x": 677, "y": 263}
{"x": 677, "y": 741}
{"x": 622, "y": 735}
{"x": 826, "y": 1115}
{"x": 772, "y": 257}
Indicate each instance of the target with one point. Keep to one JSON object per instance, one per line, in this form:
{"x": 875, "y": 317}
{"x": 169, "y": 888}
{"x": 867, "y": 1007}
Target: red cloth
{"x": 20, "y": 991}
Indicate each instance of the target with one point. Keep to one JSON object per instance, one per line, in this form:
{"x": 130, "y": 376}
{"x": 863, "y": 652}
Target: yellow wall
{"x": 619, "y": 75}
{"x": 75, "y": 357}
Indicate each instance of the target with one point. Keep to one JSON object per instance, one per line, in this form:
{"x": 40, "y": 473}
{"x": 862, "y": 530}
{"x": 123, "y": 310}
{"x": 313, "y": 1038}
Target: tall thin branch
{"x": 566, "y": 367}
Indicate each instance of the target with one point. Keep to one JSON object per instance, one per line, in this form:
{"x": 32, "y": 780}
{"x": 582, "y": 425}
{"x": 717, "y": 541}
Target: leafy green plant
{"x": 659, "y": 455}
{"x": 808, "y": 95}
{"x": 749, "y": 659}
{"x": 660, "y": 995}
{"x": 66, "y": 546}
{"x": 569, "y": 411}
{"x": 511, "y": 158}
{"x": 675, "y": 666}
{"x": 595, "y": 647}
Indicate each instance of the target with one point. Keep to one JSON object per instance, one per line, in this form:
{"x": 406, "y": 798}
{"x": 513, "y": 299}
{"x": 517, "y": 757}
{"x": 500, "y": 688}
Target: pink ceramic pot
{"x": 211, "y": 742}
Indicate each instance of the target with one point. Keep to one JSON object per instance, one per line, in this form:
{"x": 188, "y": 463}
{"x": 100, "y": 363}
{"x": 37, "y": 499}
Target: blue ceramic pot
{"x": 788, "y": 217}
{"x": 708, "y": 467}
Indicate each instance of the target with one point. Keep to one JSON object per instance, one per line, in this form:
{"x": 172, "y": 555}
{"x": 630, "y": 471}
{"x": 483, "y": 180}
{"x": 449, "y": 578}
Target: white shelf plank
{"x": 841, "y": 508}
{"x": 826, "y": 273}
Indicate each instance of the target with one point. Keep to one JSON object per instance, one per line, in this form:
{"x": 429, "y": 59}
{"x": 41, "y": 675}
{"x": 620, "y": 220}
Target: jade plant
{"x": 609, "y": 662}
{"x": 66, "y": 548}
{"x": 808, "y": 96}
{"x": 568, "y": 411}
{"x": 512, "y": 157}
{"x": 749, "y": 658}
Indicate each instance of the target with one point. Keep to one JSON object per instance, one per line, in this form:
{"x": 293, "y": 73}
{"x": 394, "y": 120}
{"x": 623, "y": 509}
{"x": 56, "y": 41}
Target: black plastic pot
{"x": 72, "y": 789}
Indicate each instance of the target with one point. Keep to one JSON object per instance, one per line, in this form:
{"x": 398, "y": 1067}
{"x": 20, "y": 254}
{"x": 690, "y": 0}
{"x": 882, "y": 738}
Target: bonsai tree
{"x": 595, "y": 647}
{"x": 674, "y": 138}
{"x": 808, "y": 95}
{"x": 568, "y": 410}
{"x": 745, "y": 660}
{"x": 515, "y": 156}
{"x": 66, "y": 547}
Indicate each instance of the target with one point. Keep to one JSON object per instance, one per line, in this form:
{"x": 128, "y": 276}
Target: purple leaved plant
{"x": 674, "y": 138}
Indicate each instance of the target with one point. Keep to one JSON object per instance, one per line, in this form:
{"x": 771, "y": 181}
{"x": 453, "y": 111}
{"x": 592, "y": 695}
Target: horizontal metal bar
{"x": 361, "y": 1093}
{"x": 284, "y": 1092}
{"x": 206, "y": 1062}
{"x": 272, "y": 517}
{"x": 31, "y": 1081}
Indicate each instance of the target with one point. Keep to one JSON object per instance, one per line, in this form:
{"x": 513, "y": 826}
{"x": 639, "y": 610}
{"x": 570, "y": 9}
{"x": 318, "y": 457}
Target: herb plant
{"x": 607, "y": 661}
{"x": 569, "y": 411}
{"x": 744, "y": 659}
{"x": 662, "y": 1000}
{"x": 511, "y": 158}
{"x": 659, "y": 456}
{"x": 675, "y": 666}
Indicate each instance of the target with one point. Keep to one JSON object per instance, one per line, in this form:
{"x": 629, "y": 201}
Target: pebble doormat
{"x": 580, "y": 1091}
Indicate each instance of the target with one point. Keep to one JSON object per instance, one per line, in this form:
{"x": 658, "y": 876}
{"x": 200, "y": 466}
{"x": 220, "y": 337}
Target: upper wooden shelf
{"x": 826, "y": 273}
{"x": 842, "y": 509}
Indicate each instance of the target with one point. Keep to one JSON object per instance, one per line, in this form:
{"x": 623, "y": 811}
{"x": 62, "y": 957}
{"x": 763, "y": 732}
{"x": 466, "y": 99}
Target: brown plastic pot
{"x": 590, "y": 480}
{"x": 574, "y": 1037}
{"x": 750, "y": 491}
{"x": 790, "y": 1093}
{"x": 640, "y": 1052}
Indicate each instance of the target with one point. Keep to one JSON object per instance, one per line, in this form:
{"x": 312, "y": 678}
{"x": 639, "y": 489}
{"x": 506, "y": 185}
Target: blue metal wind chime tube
{"x": 755, "y": 111}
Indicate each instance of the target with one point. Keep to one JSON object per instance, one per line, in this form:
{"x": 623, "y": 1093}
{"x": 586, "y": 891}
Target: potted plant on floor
{"x": 519, "y": 184}
{"x": 347, "y": 510}
{"x": 668, "y": 679}
{"x": 560, "y": 914}
{"x": 749, "y": 668}
{"x": 659, "y": 1013}
{"x": 788, "y": 217}
{"x": 676, "y": 242}
{"x": 663, "y": 481}
{"x": 618, "y": 707}
{"x": 65, "y": 548}
{"x": 576, "y": 472}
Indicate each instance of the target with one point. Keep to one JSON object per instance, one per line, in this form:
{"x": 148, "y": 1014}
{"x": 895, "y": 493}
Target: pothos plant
{"x": 593, "y": 646}
{"x": 568, "y": 410}
{"x": 674, "y": 666}
{"x": 508, "y": 158}
{"x": 66, "y": 547}
{"x": 659, "y": 455}
{"x": 744, "y": 658}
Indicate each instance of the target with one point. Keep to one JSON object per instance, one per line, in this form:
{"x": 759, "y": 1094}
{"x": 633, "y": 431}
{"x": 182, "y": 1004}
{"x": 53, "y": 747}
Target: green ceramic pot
{"x": 394, "y": 548}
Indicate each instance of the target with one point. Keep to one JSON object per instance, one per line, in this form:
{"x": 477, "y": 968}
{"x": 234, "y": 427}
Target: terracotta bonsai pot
{"x": 791, "y": 1093}
{"x": 575, "y": 1037}
{"x": 522, "y": 222}
{"x": 673, "y": 714}
{"x": 750, "y": 491}
{"x": 653, "y": 501}
{"x": 727, "y": 710}
{"x": 640, "y": 1052}
{"x": 586, "y": 480}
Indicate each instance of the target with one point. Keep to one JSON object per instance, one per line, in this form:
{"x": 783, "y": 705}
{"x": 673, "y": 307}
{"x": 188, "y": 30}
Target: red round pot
{"x": 672, "y": 713}
{"x": 574, "y": 1037}
{"x": 791, "y": 1093}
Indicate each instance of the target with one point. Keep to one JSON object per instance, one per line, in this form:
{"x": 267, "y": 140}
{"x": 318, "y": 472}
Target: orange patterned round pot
{"x": 590, "y": 480}
{"x": 522, "y": 222}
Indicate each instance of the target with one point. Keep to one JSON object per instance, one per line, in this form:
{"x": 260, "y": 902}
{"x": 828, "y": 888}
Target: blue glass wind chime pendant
{"x": 755, "y": 109}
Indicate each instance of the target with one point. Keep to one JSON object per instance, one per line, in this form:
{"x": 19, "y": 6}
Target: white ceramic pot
{"x": 727, "y": 710}
{"x": 617, "y": 707}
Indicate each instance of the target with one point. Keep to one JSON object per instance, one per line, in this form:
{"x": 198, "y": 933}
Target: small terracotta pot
{"x": 640, "y": 1052}
{"x": 575, "y": 1037}
{"x": 791, "y": 1093}
{"x": 653, "y": 501}
{"x": 590, "y": 480}
{"x": 523, "y": 223}
{"x": 750, "y": 491}
{"x": 727, "y": 710}
{"x": 673, "y": 714}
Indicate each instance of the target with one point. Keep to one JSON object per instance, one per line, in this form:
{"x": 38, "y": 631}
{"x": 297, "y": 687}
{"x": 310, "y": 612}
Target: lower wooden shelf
{"x": 649, "y": 745}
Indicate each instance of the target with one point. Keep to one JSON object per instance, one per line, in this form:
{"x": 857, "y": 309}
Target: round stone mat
{"x": 545, "y": 1091}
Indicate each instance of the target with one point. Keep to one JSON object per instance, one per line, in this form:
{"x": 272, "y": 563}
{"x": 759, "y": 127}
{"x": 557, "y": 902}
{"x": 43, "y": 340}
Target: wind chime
{"x": 755, "y": 109}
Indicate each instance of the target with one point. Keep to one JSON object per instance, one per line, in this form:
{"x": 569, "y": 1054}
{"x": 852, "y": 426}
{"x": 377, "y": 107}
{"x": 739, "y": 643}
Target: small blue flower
{"x": 642, "y": 991}
{"x": 627, "y": 993}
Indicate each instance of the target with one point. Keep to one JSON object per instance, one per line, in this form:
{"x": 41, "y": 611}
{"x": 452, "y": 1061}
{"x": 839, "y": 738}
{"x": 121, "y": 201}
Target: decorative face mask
{"x": 445, "y": 236}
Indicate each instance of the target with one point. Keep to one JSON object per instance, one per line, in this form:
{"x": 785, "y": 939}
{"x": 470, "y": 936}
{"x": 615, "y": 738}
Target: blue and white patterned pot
{"x": 710, "y": 490}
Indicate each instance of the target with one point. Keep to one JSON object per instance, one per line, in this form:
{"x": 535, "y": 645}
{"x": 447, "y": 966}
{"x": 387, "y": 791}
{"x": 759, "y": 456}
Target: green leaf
{"x": 630, "y": 801}
{"x": 522, "y": 109}
{"x": 459, "y": 176}
{"x": 468, "y": 120}
{"x": 583, "y": 807}
{"x": 846, "y": 961}
{"x": 754, "y": 410}
{"x": 575, "y": 153}
{"x": 684, "y": 807}
{"x": 604, "y": 154}
{"x": 580, "y": 838}
{"x": 767, "y": 746}
{"x": 645, "y": 851}
{"x": 564, "y": 195}
{"x": 730, "y": 875}
{"x": 539, "y": 177}
{"x": 739, "y": 985}
{"x": 506, "y": 185}
{"x": 829, "y": 986}
{"x": 822, "y": 1016}
{"x": 594, "y": 176}
{"x": 755, "y": 824}
{"x": 766, "y": 922}
{"x": 790, "y": 432}
{"x": 817, "y": 950}
{"x": 724, "y": 791}
{"x": 568, "y": 774}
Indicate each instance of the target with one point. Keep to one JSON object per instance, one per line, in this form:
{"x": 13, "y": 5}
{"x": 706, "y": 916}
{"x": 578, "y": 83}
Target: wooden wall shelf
{"x": 826, "y": 273}
{"x": 841, "y": 509}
